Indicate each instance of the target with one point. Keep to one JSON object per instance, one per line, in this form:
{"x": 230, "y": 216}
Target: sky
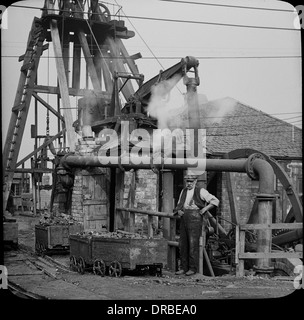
{"x": 250, "y": 54}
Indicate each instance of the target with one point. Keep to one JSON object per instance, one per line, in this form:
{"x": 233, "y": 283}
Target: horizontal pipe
{"x": 230, "y": 165}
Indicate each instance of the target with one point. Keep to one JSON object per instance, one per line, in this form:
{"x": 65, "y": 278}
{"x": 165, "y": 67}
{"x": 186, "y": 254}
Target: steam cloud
{"x": 214, "y": 111}
{"x": 161, "y": 105}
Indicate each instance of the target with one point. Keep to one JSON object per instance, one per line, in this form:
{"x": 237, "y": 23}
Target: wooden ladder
{"x": 22, "y": 101}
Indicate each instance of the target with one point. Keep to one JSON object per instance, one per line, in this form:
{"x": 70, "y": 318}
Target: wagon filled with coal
{"x": 115, "y": 254}
{"x": 54, "y": 238}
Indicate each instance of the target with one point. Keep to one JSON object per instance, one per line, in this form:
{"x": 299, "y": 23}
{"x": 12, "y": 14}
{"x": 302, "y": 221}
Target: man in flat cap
{"x": 193, "y": 203}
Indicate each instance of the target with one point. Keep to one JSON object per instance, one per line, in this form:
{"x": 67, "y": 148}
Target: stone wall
{"x": 77, "y": 200}
{"x": 146, "y": 195}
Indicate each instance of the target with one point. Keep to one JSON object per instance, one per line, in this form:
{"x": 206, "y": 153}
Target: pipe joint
{"x": 265, "y": 270}
{"x": 250, "y": 167}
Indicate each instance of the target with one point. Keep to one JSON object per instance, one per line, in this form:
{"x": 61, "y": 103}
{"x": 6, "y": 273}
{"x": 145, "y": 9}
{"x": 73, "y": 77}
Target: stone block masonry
{"x": 146, "y": 195}
{"x": 88, "y": 183}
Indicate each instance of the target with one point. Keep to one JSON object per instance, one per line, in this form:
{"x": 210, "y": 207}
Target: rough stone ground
{"x": 44, "y": 278}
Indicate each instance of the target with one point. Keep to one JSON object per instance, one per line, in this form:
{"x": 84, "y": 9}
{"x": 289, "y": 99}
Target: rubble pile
{"x": 62, "y": 219}
{"x": 119, "y": 234}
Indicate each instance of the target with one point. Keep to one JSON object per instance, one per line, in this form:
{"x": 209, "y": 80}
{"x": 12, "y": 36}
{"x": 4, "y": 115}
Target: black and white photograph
{"x": 152, "y": 153}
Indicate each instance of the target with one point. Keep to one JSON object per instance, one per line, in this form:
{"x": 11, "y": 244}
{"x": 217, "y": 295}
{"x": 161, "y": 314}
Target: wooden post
{"x": 127, "y": 90}
{"x": 132, "y": 222}
{"x": 167, "y": 203}
{"x": 234, "y": 215}
{"x": 264, "y": 235}
{"x": 208, "y": 262}
{"x": 97, "y": 63}
{"x": 172, "y": 250}
{"x": 76, "y": 64}
{"x": 66, "y": 53}
{"x": 130, "y": 202}
{"x": 242, "y": 250}
{"x": 239, "y": 249}
{"x": 63, "y": 85}
{"x": 202, "y": 243}
{"x": 150, "y": 226}
{"x": 106, "y": 70}
{"x": 119, "y": 193}
{"x": 34, "y": 191}
{"x": 89, "y": 61}
{"x": 167, "y": 206}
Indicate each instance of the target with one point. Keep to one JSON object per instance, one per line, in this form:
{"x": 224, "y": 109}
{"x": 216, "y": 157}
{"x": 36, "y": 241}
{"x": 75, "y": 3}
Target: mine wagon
{"x": 116, "y": 256}
{"x": 54, "y": 238}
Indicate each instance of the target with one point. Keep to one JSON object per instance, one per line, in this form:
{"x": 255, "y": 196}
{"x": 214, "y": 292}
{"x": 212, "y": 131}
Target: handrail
{"x": 241, "y": 255}
{"x": 148, "y": 212}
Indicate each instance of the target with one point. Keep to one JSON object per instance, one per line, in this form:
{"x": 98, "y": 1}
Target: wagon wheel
{"x": 115, "y": 269}
{"x": 99, "y": 267}
{"x": 81, "y": 265}
{"x": 73, "y": 263}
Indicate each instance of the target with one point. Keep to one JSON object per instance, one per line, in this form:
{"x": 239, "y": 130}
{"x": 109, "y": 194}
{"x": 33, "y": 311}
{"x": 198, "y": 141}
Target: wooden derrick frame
{"x": 72, "y": 19}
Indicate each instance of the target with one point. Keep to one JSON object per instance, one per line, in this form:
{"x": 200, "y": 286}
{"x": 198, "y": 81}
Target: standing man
{"x": 193, "y": 203}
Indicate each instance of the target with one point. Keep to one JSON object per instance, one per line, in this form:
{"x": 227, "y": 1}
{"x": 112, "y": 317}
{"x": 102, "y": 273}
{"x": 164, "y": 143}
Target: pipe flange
{"x": 63, "y": 161}
{"x": 249, "y": 165}
{"x": 263, "y": 270}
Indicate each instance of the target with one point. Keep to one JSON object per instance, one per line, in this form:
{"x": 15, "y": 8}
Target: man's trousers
{"x": 190, "y": 232}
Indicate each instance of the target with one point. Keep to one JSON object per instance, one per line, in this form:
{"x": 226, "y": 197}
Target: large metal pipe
{"x": 128, "y": 163}
{"x": 265, "y": 202}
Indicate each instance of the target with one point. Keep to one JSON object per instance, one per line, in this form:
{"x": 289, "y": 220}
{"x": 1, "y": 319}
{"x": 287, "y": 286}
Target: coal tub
{"x": 115, "y": 256}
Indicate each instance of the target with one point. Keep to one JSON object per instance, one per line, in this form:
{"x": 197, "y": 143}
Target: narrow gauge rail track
{"x": 45, "y": 278}
{"x": 22, "y": 293}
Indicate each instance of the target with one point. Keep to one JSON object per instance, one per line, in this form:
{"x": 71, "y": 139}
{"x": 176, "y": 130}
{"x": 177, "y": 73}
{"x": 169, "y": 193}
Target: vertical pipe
{"x": 167, "y": 206}
{"x": 167, "y": 203}
{"x": 34, "y": 161}
{"x": 264, "y": 235}
{"x": 112, "y": 199}
{"x": 34, "y": 187}
{"x": 265, "y": 202}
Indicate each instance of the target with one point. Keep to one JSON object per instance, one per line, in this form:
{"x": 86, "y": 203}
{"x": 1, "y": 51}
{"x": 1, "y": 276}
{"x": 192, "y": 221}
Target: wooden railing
{"x": 241, "y": 255}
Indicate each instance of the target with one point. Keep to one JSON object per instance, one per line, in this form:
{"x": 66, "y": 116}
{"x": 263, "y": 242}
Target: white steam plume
{"x": 161, "y": 106}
